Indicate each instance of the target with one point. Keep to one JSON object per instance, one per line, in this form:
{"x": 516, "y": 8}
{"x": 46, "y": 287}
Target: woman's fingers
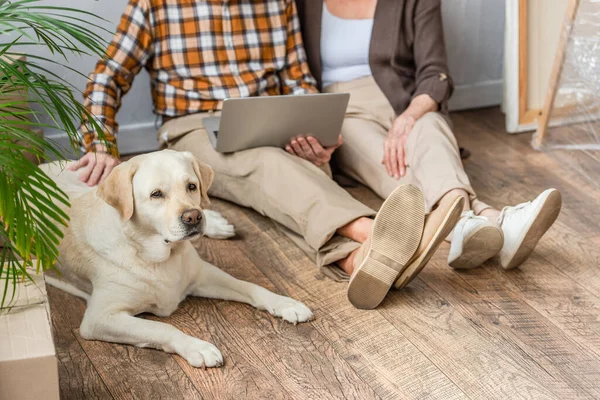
{"x": 401, "y": 159}
{"x": 387, "y": 158}
{"x": 394, "y": 159}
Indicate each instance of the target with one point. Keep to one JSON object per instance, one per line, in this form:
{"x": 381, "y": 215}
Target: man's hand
{"x": 94, "y": 167}
{"x": 394, "y": 154}
{"x": 310, "y": 149}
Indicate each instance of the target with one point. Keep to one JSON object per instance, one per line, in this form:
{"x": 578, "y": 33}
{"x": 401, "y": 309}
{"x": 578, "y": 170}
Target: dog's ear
{"x": 117, "y": 189}
{"x": 205, "y": 175}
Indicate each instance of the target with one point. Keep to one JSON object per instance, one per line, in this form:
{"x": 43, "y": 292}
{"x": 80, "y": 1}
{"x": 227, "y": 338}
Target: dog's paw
{"x": 291, "y": 310}
{"x": 200, "y": 354}
{"x": 217, "y": 227}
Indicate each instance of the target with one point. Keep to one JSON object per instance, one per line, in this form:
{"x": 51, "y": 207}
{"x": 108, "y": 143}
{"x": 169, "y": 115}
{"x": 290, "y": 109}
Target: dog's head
{"x": 160, "y": 193}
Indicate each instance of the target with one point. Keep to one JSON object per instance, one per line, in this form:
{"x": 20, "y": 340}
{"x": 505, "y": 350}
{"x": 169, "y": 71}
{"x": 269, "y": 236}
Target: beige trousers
{"x": 433, "y": 157}
{"x": 302, "y": 198}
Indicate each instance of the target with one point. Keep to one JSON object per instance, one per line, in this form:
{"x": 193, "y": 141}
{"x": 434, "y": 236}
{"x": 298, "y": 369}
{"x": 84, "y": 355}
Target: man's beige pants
{"x": 303, "y": 198}
{"x": 291, "y": 191}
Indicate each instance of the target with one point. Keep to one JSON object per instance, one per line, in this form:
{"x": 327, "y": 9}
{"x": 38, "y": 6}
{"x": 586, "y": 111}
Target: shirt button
{"x": 443, "y": 77}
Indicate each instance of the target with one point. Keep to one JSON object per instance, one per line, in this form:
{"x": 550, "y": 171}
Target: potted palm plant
{"x": 32, "y": 97}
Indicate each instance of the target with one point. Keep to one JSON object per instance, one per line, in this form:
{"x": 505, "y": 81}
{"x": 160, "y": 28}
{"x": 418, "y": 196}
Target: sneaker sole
{"x": 396, "y": 234}
{"x": 483, "y": 244}
{"x": 443, "y": 230}
{"x": 541, "y": 223}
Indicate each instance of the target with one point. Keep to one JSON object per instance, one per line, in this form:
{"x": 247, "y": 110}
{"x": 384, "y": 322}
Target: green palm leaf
{"x": 32, "y": 215}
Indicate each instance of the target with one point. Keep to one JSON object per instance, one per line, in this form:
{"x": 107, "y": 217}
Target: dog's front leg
{"x": 214, "y": 283}
{"x": 216, "y": 226}
{"x": 121, "y": 327}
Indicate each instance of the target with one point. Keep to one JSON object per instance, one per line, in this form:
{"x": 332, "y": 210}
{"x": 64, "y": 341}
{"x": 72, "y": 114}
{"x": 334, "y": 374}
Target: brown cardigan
{"x": 407, "y": 54}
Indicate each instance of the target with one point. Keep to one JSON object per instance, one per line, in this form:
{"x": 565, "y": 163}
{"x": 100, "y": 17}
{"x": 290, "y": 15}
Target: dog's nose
{"x": 191, "y": 217}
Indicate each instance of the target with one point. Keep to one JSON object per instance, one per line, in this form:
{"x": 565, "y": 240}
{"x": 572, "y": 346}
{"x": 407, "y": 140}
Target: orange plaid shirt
{"x": 197, "y": 52}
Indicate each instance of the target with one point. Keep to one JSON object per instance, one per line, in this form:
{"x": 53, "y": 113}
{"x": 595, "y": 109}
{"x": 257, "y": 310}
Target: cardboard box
{"x": 28, "y": 364}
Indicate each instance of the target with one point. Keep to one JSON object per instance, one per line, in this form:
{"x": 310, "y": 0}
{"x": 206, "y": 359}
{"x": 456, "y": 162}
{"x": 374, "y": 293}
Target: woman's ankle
{"x": 490, "y": 213}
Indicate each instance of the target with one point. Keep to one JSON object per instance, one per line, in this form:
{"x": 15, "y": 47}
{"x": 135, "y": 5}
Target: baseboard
{"x": 134, "y": 138}
{"x": 478, "y": 95}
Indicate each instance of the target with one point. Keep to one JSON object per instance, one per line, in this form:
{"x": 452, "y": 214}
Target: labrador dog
{"x": 127, "y": 251}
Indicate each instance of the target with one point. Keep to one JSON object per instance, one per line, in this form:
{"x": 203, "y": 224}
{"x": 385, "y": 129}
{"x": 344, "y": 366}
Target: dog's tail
{"x": 67, "y": 287}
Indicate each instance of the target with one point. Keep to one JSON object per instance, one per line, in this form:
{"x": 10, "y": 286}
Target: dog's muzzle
{"x": 193, "y": 222}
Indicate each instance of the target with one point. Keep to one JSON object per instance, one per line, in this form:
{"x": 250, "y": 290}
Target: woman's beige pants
{"x": 432, "y": 153}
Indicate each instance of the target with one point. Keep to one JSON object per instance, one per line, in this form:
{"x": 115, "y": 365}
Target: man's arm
{"x": 111, "y": 80}
{"x": 128, "y": 52}
{"x": 295, "y": 76}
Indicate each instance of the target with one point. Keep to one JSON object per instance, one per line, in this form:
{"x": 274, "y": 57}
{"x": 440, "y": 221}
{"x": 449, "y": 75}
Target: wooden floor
{"x": 529, "y": 333}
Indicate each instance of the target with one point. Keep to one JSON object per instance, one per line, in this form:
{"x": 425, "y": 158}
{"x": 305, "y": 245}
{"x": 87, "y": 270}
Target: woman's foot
{"x": 475, "y": 240}
{"x": 394, "y": 238}
{"x": 438, "y": 224}
{"x": 512, "y": 236}
{"x": 523, "y": 226}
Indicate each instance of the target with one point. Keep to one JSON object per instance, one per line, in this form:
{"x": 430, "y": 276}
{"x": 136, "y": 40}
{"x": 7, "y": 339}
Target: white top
{"x": 344, "y": 48}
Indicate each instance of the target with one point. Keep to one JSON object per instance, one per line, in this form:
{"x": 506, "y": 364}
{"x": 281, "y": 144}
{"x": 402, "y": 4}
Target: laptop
{"x": 251, "y": 122}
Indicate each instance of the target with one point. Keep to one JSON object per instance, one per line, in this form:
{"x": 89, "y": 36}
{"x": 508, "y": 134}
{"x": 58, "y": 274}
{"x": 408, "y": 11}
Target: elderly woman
{"x": 390, "y": 56}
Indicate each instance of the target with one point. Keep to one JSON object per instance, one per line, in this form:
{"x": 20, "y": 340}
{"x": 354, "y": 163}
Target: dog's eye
{"x": 192, "y": 187}
{"x": 157, "y": 194}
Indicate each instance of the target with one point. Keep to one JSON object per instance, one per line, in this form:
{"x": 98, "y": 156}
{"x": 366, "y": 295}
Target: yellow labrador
{"x": 127, "y": 251}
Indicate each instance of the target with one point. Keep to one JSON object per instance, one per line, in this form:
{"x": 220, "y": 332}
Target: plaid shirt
{"x": 198, "y": 52}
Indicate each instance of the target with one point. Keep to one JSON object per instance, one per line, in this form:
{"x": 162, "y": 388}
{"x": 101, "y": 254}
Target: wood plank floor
{"x": 529, "y": 333}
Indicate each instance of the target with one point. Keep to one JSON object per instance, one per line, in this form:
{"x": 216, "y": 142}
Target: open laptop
{"x": 251, "y": 122}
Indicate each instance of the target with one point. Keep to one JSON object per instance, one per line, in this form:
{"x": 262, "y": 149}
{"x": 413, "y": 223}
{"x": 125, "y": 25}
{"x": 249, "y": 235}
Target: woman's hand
{"x": 394, "y": 154}
{"x": 95, "y": 167}
{"x": 310, "y": 149}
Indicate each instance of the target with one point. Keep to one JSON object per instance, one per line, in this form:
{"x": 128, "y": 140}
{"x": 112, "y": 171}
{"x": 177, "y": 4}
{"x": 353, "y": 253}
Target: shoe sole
{"x": 483, "y": 244}
{"x": 396, "y": 234}
{"x": 531, "y": 236}
{"x": 443, "y": 230}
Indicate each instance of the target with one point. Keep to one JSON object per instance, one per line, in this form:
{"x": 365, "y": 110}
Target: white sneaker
{"x": 523, "y": 225}
{"x": 474, "y": 240}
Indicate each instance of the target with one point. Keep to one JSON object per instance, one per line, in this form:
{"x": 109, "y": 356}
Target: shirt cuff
{"x": 103, "y": 147}
{"x": 439, "y": 87}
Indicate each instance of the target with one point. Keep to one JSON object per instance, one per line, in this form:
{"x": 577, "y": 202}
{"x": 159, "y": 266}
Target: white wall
{"x": 474, "y": 38}
{"x": 474, "y": 33}
{"x": 135, "y": 118}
